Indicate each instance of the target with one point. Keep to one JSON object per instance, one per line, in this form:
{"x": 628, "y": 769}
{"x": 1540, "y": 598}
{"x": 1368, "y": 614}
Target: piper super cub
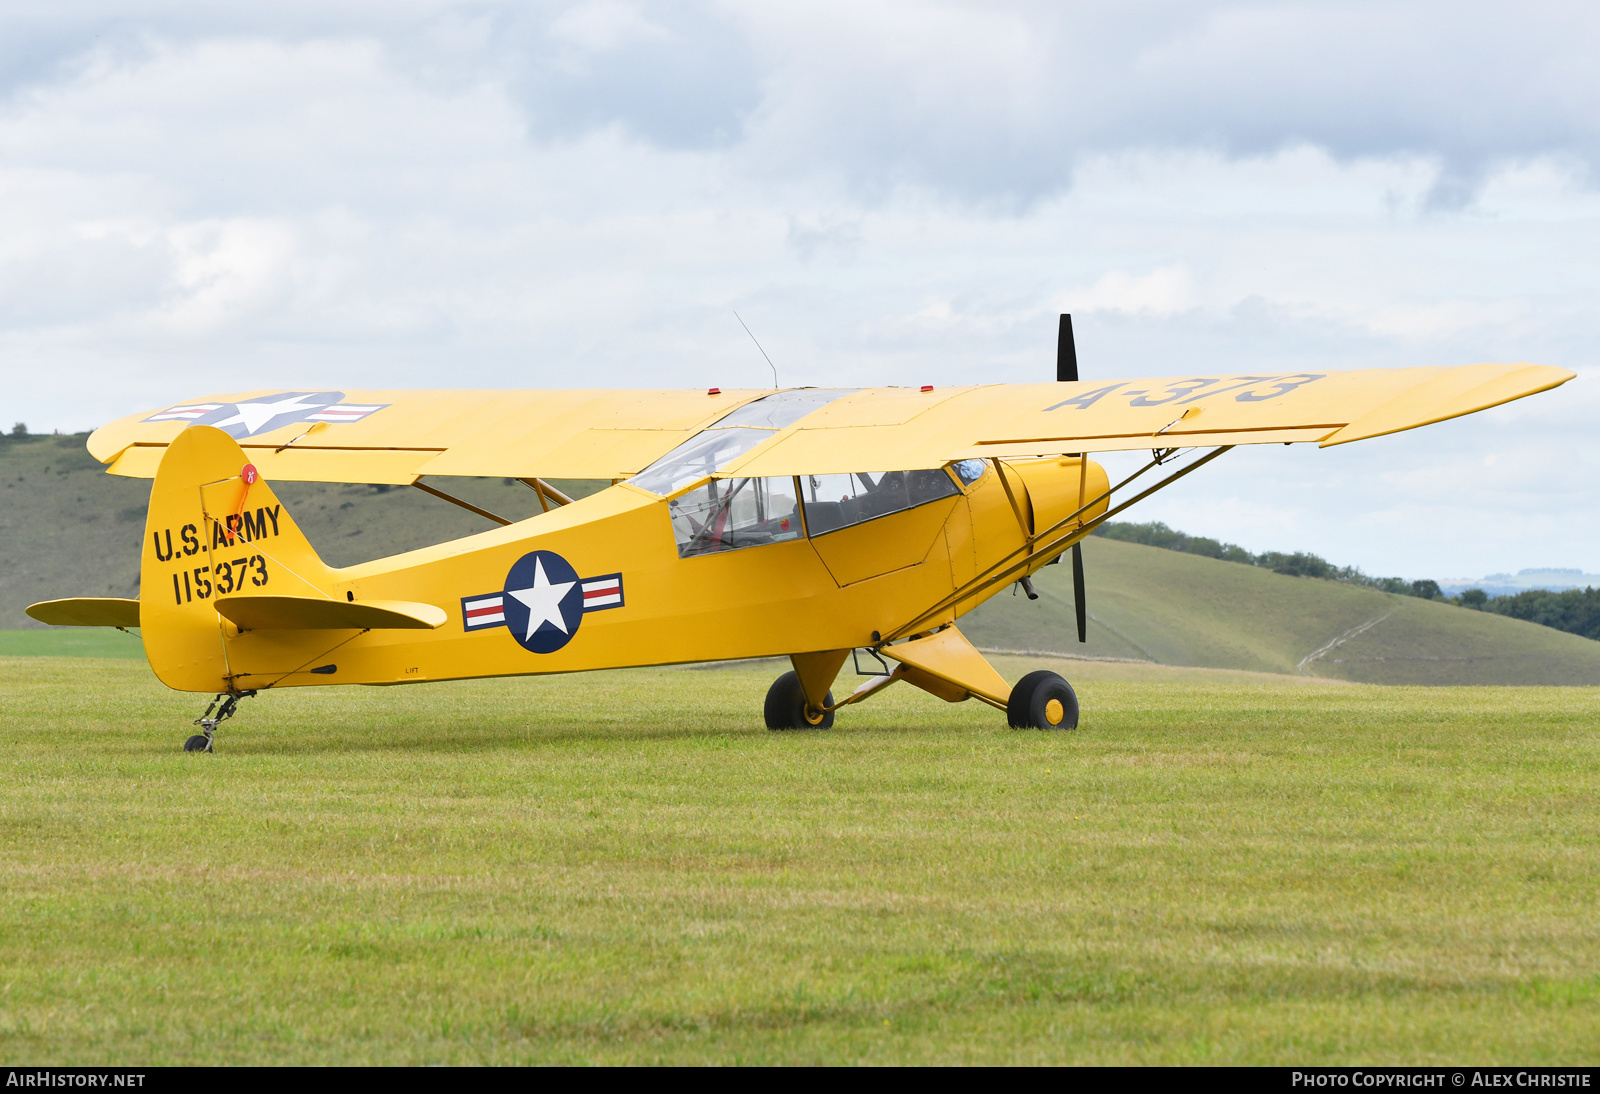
{"x": 804, "y": 522}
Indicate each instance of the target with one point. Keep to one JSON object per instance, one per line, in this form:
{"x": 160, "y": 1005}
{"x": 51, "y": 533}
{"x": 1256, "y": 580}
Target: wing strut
{"x": 1011, "y": 566}
{"x": 546, "y": 493}
{"x": 467, "y": 505}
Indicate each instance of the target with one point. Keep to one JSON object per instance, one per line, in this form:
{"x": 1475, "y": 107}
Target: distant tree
{"x": 1574, "y": 610}
{"x": 1298, "y": 564}
{"x": 1473, "y": 598}
{"x": 1154, "y": 534}
{"x": 1157, "y": 534}
{"x": 19, "y": 430}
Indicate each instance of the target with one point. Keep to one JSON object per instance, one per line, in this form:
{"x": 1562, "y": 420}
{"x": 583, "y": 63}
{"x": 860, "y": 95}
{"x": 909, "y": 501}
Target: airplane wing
{"x": 399, "y": 436}
{"x": 901, "y": 428}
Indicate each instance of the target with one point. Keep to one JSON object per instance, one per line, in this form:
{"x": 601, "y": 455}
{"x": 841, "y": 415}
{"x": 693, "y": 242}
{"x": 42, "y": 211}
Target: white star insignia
{"x": 255, "y": 415}
{"x": 543, "y": 600}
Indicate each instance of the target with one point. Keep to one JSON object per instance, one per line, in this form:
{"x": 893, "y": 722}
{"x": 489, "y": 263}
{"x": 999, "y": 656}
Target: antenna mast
{"x": 753, "y": 338}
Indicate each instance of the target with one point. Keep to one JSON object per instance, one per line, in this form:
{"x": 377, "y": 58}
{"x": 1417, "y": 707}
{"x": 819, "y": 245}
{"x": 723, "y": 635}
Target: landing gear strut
{"x": 224, "y": 707}
{"x": 942, "y": 663}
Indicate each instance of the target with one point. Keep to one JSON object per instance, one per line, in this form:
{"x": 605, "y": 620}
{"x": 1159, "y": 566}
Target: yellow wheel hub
{"x": 1054, "y": 712}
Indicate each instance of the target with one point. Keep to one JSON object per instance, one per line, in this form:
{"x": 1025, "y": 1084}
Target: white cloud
{"x": 225, "y": 272}
{"x": 606, "y": 27}
{"x": 416, "y": 194}
{"x": 1159, "y": 292}
{"x": 994, "y": 102}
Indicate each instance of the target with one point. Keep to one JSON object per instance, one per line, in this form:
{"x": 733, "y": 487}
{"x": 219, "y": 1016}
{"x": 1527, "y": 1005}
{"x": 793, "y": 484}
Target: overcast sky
{"x": 199, "y": 197}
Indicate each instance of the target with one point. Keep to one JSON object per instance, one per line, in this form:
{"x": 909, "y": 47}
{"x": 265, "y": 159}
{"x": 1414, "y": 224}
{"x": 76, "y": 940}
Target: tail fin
{"x": 215, "y": 528}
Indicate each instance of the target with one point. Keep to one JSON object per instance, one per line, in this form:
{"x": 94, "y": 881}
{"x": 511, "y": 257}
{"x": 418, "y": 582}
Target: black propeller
{"x": 1067, "y": 372}
{"x": 1066, "y": 352}
{"x": 1078, "y": 601}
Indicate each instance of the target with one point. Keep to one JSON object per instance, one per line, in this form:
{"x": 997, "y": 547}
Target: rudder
{"x": 211, "y": 533}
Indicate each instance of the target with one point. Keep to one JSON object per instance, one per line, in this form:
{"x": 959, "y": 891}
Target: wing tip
{"x": 1392, "y": 416}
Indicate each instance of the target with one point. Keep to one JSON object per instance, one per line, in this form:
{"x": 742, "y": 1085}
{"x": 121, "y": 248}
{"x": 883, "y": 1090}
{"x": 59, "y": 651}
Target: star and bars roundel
{"x": 251, "y": 416}
{"x": 543, "y": 602}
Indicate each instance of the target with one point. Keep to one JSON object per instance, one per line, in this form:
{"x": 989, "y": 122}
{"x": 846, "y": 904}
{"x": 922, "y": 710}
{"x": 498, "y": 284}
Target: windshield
{"x": 734, "y": 434}
{"x": 697, "y": 457}
{"x": 838, "y": 501}
{"x": 783, "y": 408}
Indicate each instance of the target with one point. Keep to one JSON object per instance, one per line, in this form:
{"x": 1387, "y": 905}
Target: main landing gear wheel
{"x": 198, "y": 743}
{"x": 1042, "y": 700}
{"x": 786, "y": 706}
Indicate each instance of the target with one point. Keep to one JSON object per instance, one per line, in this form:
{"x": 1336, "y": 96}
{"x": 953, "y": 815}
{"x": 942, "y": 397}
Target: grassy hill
{"x": 1176, "y": 609}
{"x": 67, "y": 528}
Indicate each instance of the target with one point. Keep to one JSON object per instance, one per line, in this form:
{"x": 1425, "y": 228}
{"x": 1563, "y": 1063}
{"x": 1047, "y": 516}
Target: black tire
{"x": 1042, "y": 700}
{"x": 786, "y": 706}
{"x": 197, "y": 743}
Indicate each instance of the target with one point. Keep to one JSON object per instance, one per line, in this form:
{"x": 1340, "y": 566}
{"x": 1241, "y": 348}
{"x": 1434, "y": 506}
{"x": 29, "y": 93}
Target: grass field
{"x": 71, "y": 642}
{"x": 1217, "y": 868}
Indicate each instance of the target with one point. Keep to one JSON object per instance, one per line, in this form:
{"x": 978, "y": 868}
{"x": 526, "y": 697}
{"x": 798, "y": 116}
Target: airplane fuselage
{"x": 607, "y": 581}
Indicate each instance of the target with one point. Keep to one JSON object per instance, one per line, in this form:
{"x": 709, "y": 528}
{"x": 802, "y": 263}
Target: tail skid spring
{"x": 224, "y": 706}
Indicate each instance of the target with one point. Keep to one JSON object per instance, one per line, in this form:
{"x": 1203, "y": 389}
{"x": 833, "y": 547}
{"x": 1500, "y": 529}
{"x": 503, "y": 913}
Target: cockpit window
{"x": 726, "y": 514}
{"x": 734, "y": 434}
{"x": 968, "y": 471}
{"x": 838, "y": 501}
{"x": 697, "y": 457}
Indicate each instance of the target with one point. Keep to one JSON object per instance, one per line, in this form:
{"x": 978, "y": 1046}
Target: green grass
{"x": 625, "y": 868}
{"x": 71, "y": 642}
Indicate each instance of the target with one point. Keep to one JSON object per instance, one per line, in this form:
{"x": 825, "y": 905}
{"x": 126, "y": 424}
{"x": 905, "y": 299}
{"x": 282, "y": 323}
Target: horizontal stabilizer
{"x": 87, "y": 611}
{"x": 308, "y": 613}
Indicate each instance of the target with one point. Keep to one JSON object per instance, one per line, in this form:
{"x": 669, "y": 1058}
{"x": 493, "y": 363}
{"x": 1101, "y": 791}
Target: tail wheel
{"x": 1042, "y": 700}
{"x": 786, "y": 706}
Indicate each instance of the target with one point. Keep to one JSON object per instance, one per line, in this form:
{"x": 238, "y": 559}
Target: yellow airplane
{"x": 809, "y": 523}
